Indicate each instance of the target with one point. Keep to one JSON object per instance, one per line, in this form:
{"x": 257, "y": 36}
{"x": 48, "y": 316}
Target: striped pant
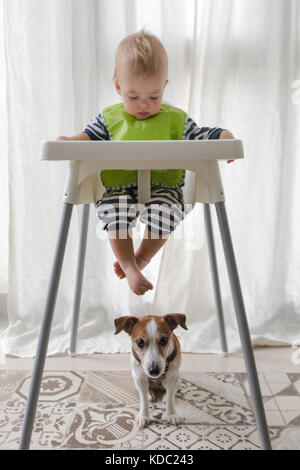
{"x": 119, "y": 209}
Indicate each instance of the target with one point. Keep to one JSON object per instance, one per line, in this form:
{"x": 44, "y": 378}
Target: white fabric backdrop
{"x": 233, "y": 64}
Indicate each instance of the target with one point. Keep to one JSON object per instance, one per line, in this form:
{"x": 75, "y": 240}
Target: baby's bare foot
{"x": 137, "y": 282}
{"x": 141, "y": 263}
{"x": 118, "y": 270}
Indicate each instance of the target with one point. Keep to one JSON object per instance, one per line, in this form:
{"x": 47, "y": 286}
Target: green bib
{"x": 167, "y": 124}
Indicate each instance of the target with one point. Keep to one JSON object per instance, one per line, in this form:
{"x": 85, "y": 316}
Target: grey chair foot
{"x": 42, "y": 347}
{"x": 248, "y": 354}
{"x": 215, "y": 277}
{"x": 79, "y": 277}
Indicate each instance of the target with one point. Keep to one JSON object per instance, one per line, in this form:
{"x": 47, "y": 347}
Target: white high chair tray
{"x": 135, "y": 153}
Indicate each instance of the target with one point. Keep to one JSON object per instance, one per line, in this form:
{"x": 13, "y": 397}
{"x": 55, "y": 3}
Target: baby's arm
{"x": 81, "y": 136}
{"x": 95, "y": 130}
{"x": 194, "y": 132}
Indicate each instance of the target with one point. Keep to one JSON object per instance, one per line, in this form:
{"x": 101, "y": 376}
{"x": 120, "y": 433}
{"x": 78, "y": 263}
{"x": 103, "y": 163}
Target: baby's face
{"x": 141, "y": 96}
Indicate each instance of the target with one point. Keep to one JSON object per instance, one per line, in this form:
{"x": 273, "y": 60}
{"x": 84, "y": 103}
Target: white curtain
{"x": 233, "y": 64}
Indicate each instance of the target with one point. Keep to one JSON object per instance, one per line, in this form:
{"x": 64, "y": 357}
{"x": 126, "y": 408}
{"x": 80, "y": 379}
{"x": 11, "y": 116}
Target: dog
{"x": 155, "y": 359}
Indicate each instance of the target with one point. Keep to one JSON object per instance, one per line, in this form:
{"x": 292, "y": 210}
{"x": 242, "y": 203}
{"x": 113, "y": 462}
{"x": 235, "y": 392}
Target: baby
{"x": 140, "y": 78}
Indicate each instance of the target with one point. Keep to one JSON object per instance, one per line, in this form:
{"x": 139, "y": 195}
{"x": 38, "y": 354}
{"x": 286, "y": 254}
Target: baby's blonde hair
{"x": 143, "y": 52}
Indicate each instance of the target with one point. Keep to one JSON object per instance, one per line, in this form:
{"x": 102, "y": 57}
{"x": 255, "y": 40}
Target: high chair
{"x": 83, "y": 186}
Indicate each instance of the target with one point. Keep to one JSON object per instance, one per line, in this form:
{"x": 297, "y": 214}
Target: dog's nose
{"x": 154, "y": 369}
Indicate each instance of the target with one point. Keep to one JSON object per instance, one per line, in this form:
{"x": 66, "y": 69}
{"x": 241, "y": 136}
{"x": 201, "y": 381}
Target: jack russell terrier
{"x": 155, "y": 359}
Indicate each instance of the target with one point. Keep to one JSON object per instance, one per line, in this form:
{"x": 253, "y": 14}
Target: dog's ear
{"x": 125, "y": 323}
{"x": 175, "y": 319}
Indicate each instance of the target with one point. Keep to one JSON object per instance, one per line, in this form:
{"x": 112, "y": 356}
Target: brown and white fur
{"x": 155, "y": 359}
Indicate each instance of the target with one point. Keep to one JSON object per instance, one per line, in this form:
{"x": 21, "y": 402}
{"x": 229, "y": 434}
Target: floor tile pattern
{"x": 98, "y": 410}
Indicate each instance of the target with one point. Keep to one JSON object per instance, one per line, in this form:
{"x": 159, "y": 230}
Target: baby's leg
{"x": 149, "y": 247}
{"x": 123, "y": 250}
{"x": 145, "y": 252}
{"x": 162, "y": 214}
{"x": 117, "y": 212}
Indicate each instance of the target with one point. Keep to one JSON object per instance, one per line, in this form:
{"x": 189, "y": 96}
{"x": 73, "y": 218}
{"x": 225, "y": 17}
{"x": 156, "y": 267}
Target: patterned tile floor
{"x": 98, "y": 410}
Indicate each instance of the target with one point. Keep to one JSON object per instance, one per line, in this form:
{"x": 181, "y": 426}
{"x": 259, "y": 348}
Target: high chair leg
{"x": 248, "y": 354}
{"x": 215, "y": 277}
{"x": 42, "y": 347}
{"x": 79, "y": 276}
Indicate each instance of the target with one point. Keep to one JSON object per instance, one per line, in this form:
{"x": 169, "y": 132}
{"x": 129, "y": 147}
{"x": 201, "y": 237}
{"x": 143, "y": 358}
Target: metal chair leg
{"x": 42, "y": 347}
{"x": 215, "y": 277}
{"x": 249, "y": 359}
{"x": 79, "y": 277}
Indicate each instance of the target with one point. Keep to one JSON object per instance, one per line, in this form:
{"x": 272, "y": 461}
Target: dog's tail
{"x": 156, "y": 390}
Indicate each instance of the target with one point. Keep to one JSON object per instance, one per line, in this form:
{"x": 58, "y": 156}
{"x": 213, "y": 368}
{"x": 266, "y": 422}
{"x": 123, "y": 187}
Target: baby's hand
{"x": 225, "y": 134}
{"x": 63, "y": 137}
{"x": 81, "y": 136}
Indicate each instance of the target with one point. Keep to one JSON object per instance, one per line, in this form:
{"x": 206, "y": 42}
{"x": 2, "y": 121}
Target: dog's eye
{"x": 163, "y": 340}
{"x": 140, "y": 342}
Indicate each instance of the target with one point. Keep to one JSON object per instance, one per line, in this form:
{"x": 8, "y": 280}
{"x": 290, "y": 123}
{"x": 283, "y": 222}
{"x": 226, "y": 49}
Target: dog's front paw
{"x": 143, "y": 421}
{"x": 174, "y": 419}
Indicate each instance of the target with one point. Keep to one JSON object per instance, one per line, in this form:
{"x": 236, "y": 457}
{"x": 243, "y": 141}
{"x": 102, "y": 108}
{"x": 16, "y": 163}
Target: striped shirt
{"x": 97, "y": 130}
